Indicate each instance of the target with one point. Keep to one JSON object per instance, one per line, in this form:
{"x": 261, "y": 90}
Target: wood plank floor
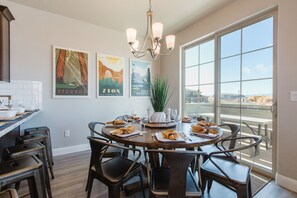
{"x": 71, "y": 175}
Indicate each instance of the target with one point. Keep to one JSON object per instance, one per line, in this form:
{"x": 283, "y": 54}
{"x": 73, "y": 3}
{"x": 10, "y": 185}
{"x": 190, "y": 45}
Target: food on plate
{"x": 119, "y": 122}
{"x": 135, "y": 118}
{"x": 206, "y": 124}
{"x": 124, "y": 130}
{"x": 116, "y": 122}
{"x": 213, "y": 131}
{"x": 186, "y": 119}
{"x": 170, "y": 134}
{"x": 198, "y": 129}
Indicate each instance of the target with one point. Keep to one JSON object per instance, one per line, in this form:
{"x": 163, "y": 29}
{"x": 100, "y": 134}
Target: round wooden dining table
{"x": 146, "y": 137}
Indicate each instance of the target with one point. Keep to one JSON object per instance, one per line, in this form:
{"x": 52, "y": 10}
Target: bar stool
{"x": 44, "y": 130}
{"x": 36, "y": 149}
{"x": 26, "y": 167}
{"x": 9, "y": 193}
{"x": 41, "y": 138}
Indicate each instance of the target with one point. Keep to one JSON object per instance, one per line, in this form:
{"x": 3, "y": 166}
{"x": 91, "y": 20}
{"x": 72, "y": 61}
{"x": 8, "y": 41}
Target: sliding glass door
{"x": 246, "y": 85}
{"x": 229, "y": 78}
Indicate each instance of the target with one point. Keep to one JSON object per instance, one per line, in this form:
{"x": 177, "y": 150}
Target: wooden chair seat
{"x": 160, "y": 182}
{"x": 39, "y": 138}
{"x": 236, "y": 172}
{"x": 115, "y": 168}
{"x": 26, "y": 167}
{"x": 43, "y": 130}
{"x": 33, "y": 149}
{"x": 213, "y": 148}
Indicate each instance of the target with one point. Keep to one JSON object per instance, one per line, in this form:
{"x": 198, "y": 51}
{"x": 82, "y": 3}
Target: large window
{"x": 199, "y": 78}
{"x": 228, "y": 78}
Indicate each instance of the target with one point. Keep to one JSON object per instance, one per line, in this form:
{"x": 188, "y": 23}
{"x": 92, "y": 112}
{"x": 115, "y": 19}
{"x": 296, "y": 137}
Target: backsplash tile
{"x": 29, "y": 92}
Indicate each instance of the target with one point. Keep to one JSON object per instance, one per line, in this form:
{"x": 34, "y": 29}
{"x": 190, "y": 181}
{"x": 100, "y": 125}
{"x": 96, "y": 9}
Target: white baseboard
{"x": 286, "y": 182}
{"x": 71, "y": 149}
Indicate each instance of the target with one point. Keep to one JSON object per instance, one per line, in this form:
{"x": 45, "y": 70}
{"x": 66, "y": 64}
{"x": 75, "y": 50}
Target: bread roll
{"x": 198, "y": 129}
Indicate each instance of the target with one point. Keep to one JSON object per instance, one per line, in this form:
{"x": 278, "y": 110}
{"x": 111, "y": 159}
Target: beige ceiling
{"x": 122, "y": 14}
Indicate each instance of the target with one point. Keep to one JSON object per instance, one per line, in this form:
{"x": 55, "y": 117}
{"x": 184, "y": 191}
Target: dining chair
{"x": 256, "y": 132}
{"x": 123, "y": 117}
{"x": 216, "y": 147}
{"x": 115, "y": 171}
{"x": 96, "y": 128}
{"x": 176, "y": 180}
{"x": 230, "y": 173}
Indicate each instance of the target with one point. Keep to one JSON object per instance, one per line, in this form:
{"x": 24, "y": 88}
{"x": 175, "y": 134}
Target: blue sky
{"x": 254, "y": 63}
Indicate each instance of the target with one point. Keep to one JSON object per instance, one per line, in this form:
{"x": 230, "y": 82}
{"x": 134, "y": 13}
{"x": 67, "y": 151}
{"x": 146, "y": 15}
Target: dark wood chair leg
{"x": 203, "y": 183}
{"x": 90, "y": 185}
{"x": 114, "y": 191}
{"x": 49, "y": 159}
{"x": 45, "y": 173}
{"x": 39, "y": 180}
{"x": 250, "y": 189}
{"x": 209, "y": 184}
{"x": 141, "y": 182}
{"x": 242, "y": 192}
{"x": 89, "y": 173}
{"x": 17, "y": 185}
{"x": 32, "y": 187}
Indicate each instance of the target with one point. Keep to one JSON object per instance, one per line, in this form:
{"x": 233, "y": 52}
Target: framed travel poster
{"x": 140, "y": 78}
{"x": 110, "y": 76}
{"x": 70, "y": 73}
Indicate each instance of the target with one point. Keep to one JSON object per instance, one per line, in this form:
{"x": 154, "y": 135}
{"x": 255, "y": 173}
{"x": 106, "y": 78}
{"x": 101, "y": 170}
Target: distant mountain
{"x": 105, "y": 72}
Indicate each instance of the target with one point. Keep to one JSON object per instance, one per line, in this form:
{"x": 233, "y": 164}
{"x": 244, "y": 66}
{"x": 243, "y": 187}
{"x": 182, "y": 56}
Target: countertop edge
{"x": 18, "y": 123}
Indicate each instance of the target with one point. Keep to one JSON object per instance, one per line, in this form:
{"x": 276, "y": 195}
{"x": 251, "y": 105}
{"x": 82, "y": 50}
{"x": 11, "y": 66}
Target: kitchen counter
{"x": 10, "y": 125}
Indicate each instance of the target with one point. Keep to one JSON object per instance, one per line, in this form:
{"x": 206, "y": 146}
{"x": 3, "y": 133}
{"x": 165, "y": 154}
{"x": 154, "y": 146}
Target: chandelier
{"x": 152, "y": 39}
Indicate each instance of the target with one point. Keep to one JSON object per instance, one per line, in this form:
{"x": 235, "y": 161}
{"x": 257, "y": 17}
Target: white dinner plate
{"x": 127, "y": 135}
{"x": 160, "y": 138}
{"x": 209, "y": 135}
{"x": 115, "y": 126}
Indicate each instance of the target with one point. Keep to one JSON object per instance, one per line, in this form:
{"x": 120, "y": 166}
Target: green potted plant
{"x": 159, "y": 98}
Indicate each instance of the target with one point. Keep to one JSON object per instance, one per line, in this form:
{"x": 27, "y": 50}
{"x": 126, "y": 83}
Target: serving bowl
{"x": 8, "y": 113}
{"x": 18, "y": 109}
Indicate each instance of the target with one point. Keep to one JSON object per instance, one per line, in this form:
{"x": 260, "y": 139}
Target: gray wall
{"x": 33, "y": 34}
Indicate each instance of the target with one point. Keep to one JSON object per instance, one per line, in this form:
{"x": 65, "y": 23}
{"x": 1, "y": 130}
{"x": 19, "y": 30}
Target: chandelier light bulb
{"x": 131, "y": 35}
{"x": 170, "y": 42}
{"x": 157, "y": 30}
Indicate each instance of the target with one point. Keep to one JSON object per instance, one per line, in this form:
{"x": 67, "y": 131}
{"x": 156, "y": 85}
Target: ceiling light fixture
{"x": 152, "y": 38}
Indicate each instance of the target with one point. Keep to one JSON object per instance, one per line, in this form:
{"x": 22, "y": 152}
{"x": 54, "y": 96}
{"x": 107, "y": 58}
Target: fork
{"x": 187, "y": 137}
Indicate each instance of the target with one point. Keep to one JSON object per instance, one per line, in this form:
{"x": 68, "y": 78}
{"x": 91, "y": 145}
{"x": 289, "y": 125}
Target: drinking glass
{"x": 174, "y": 114}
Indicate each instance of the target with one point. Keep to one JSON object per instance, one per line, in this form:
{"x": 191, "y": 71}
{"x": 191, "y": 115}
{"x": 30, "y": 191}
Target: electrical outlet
{"x": 66, "y": 133}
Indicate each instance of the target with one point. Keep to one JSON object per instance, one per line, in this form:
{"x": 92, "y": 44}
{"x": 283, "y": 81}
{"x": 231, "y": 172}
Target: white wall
{"x": 286, "y": 72}
{"x": 33, "y": 34}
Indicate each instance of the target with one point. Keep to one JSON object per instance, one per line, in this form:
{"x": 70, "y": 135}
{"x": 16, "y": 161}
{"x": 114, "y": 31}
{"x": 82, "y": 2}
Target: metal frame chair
{"x": 215, "y": 147}
{"x": 113, "y": 172}
{"x": 110, "y": 152}
{"x": 229, "y": 173}
{"x": 175, "y": 180}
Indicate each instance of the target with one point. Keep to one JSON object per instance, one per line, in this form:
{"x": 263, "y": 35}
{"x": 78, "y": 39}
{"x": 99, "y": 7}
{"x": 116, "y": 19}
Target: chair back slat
{"x": 93, "y": 131}
{"x": 98, "y": 147}
{"x": 234, "y": 131}
{"x": 178, "y": 163}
